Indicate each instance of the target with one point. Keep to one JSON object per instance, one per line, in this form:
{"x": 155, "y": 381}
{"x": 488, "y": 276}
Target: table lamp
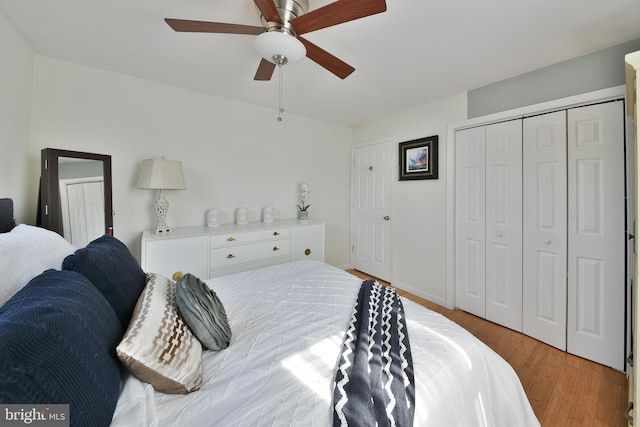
{"x": 161, "y": 174}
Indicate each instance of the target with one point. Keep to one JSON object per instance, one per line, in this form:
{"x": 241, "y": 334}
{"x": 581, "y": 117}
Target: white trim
{"x": 545, "y": 107}
{"x": 421, "y": 293}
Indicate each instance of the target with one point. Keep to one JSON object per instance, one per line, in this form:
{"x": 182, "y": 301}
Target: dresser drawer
{"x": 248, "y": 237}
{"x": 239, "y": 254}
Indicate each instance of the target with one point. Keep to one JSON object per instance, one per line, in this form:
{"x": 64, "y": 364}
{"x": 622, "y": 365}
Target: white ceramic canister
{"x": 213, "y": 217}
{"x": 242, "y": 216}
{"x": 267, "y": 214}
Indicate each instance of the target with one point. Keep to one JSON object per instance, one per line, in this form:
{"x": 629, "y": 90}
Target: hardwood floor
{"x": 564, "y": 390}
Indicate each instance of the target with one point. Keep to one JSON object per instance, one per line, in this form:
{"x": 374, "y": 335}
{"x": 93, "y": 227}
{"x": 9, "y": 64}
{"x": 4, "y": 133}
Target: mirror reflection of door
{"x": 57, "y": 165}
{"x": 81, "y": 200}
{"x": 82, "y": 206}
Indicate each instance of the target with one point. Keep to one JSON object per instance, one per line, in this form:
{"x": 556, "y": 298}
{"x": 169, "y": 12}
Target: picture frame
{"x": 419, "y": 159}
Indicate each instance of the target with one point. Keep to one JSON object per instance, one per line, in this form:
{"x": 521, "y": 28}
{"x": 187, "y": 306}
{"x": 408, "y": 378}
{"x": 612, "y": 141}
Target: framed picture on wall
{"x": 419, "y": 159}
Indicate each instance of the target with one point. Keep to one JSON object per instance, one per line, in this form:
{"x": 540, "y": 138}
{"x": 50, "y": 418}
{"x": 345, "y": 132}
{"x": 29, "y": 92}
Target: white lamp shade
{"x": 161, "y": 174}
{"x": 274, "y": 43}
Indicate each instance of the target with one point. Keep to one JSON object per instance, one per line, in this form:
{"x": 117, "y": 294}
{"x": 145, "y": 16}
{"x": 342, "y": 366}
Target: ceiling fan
{"x": 279, "y": 39}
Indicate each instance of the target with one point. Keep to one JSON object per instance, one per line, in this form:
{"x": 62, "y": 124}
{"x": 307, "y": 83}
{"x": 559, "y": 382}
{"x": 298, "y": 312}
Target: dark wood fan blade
{"x": 337, "y": 13}
{"x": 187, "y": 26}
{"x": 326, "y": 60}
{"x": 269, "y": 10}
{"x": 265, "y": 70}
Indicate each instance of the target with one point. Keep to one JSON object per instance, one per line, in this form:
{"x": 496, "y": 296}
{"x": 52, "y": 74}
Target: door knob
{"x": 386, "y": 218}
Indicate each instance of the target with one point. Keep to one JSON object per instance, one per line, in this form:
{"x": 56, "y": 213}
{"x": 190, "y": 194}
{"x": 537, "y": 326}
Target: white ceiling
{"x": 416, "y": 52}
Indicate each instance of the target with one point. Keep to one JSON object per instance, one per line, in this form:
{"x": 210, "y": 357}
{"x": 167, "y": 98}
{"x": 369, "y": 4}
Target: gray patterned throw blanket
{"x": 374, "y": 383}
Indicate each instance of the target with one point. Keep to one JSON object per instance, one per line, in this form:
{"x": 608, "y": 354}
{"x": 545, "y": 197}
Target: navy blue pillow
{"x": 111, "y": 267}
{"x": 58, "y": 336}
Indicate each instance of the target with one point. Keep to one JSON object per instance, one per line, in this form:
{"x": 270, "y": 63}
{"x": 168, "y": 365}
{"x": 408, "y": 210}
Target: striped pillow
{"x": 158, "y": 347}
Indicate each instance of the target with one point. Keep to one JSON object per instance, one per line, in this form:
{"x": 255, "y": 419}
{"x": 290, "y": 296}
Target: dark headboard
{"x": 7, "y": 222}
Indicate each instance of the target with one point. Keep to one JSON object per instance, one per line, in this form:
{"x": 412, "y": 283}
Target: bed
{"x": 288, "y": 325}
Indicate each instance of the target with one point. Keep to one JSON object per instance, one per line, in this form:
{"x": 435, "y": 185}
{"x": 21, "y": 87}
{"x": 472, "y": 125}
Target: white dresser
{"x": 209, "y": 252}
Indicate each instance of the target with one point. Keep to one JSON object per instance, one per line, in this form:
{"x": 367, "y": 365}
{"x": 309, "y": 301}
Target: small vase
{"x": 242, "y": 216}
{"x": 213, "y": 218}
{"x": 303, "y": 215}
{"x": 267, "y": 214}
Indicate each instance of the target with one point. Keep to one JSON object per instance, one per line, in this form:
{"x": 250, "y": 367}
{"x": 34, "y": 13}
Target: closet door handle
{"x": 499, "y": 234}
{"x": 547, "y": 241}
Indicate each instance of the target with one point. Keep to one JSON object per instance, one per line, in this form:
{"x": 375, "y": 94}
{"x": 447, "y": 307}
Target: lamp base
{"x": 162, "y": 229}
{"x": 162, "y": 207}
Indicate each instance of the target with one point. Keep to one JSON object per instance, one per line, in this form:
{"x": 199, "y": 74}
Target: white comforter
{"x": 288, "y": 322}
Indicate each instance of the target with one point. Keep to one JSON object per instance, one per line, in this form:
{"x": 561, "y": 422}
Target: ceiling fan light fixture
{"x": 272, "y": 45}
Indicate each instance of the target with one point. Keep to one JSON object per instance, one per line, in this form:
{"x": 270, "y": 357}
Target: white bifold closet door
{"x": 470, "y": 220}
{"x": 489, "y": 222}
{"x": 540, "y": 228}
{"x": 574, "y": 231}
{"x": 545, "y": 228}
{"x": 83, "y": 212}
{"x": 596, "y": 233}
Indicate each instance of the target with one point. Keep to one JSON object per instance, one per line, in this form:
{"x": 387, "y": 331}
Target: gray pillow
{"x": 203, "y": 311}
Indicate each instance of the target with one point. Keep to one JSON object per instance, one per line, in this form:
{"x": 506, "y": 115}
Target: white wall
{"x": 16, "y": 77}
{"x": 234, "y": 154}
{"x": 419, "y": 224}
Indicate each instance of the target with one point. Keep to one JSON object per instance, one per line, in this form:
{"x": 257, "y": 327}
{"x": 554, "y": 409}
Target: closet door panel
{"x": 545, "y": 228}
{"x": 596, "y": 232}
{"x": 470, "y": 220}
{"x": 504, "y": 224}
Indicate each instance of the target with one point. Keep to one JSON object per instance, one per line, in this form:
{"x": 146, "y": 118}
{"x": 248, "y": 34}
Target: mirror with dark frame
{"x": 75, "y": 195}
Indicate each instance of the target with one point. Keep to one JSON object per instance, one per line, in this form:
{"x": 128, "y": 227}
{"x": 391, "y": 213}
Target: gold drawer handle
{"x": 230, "y": 239}
{"x": 275, "y": 248}
{"x": 275, "y": 233}
{"x": 230, "y": 256}
{"x": 307, "y": 251}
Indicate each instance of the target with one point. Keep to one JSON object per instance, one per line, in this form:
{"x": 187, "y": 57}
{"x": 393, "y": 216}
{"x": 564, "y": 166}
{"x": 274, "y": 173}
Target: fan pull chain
{"x": 280, "y": 108}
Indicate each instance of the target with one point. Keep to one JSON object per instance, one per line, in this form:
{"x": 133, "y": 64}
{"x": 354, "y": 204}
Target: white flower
{"x": 305, "y": 196}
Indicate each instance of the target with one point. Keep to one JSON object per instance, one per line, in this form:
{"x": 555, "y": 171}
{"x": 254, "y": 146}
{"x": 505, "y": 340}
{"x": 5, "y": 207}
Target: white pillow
{"x": 25, "y": 252}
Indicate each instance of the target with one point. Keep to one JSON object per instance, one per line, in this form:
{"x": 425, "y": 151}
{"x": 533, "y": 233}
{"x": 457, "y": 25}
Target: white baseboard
{"x": 418, "y": 292}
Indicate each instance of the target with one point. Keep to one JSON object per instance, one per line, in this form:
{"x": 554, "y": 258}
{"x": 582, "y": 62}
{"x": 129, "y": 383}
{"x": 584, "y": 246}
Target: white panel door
{"x": 77, "y": 231}
{"x": 545, "y": 228}
{"x": 82, "y": 208}
{"x": 596, "y": 232}
{"x": 94, "y": 209}
{"x": 371, "y": 194}
{"x": 504, "y": 224}
{"x": 470, "y": 220}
